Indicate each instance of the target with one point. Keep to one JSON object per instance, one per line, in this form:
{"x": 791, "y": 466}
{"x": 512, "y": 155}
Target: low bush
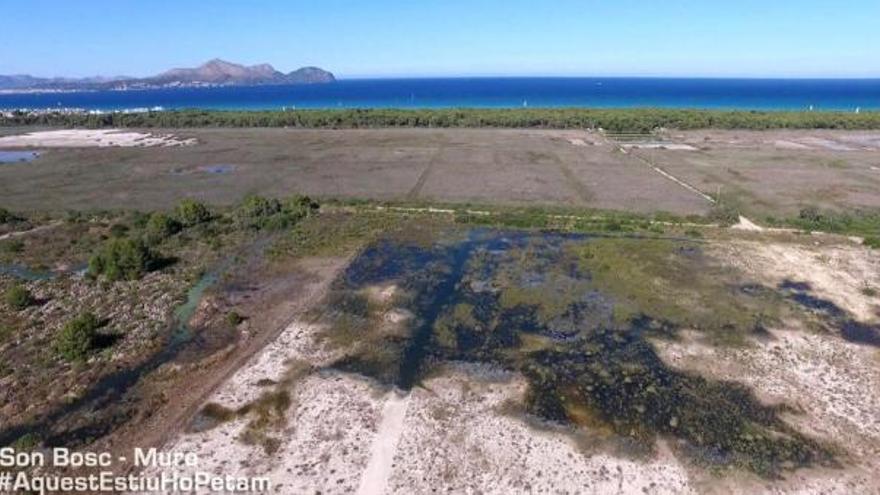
{"x": 119, "y": 230}
{"x": 6, "y": 216}
{"x": 77, "y": 337}
{"x": 855, "y": 222}
{"x": 724, "y": 215}
{"x": 13, "y": 246}
{"x": 191, "y": 212}
{"x": 122, "y": 259}
{"x": 234, "y": 318}
{"x": 258, "y": 213}
{"x": 18, "y": 297}
{"x": 160, "y": 227}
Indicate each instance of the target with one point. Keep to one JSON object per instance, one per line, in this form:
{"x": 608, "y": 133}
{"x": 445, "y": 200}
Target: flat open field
{"x": 772, "y": 172}
{"x": 768, "y": 172}
{"x": 777, "y": 172}
{"x": 494, "y": 166}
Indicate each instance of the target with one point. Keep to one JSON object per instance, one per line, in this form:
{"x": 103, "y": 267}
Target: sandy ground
{"x": 461, "y": 433}
{"x": 344, "y": 434}
{"x": 380, "y": 467}
{"x": 838, "y": 273}
{"x": 659, "y": 146}
{"x": 91, "y": 138}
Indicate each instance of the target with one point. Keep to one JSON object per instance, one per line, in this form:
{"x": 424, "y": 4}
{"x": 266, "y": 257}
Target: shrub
{"x": 5, "y": 331}
{"x": 161, "y": 226}
{"x": 77, "y": 337}
{"x": 300, "y": 206}
{"x": 724, "y": 215}
{"x": 26, "y": 442}
{"x": 258, "y": 213}
{"x": 6, "y": 216}
{"x": 18, "y": 297}
{"x": 122, "y": 259}
{"x": 191, "y": 212}
{"x": 872, "y": 242}
{"x": 13, "y": 246}
{"x": 234, "y": 318}
{"x": 810, "y": 214}
{"x": 118, "y": 230}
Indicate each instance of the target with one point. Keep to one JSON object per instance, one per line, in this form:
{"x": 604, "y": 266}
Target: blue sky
{"x": 374, "y": 38}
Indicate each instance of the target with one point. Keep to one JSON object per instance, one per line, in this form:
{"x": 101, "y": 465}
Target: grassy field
{"x": 488, "y": 166}
{"x": 762, "y": 174}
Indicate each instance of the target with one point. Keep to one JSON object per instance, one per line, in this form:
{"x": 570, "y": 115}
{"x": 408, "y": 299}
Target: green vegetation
{"x": 7, "y": 217}
{"x": 233, "y": 318}
{"x": 616, "y": 120}
{"x": 27, "y": 442}
{"x": 675, "y": 283}
{"x": 872, "y": 242}
{"x": 160, "y": 226}
{"x": 12, "y": 246}
{"x": 724, "y": 215}
{"x": 77, "y": 337}
{"x": 258, "y": 213}
{"x": 191, "y": 212}
{"x": 857, "y": 222}
{"x": 118, "y": 230}
{"x": 5, "y": 331}
{"x": 573, "y": 315}
{"x": 18, "y": 297}
{"x": 122, "y": 259}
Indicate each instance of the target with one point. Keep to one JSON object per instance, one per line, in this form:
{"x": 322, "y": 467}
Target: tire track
{"x": 416, "y": 190}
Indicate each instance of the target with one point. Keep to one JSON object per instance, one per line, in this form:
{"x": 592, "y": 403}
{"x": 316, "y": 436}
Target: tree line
{"x": 613, "y": 120}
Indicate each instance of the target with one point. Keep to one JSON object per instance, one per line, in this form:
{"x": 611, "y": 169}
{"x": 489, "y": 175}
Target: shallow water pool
{"x": 18, "y": 156}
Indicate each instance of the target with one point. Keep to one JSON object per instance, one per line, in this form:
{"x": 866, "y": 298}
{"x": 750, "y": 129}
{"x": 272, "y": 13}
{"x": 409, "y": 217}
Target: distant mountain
{"x": 213, "y": 73}
{"x": 23, "y": 81}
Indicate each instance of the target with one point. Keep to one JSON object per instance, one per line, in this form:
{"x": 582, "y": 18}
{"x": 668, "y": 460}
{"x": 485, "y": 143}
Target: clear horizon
{"x": 809, "y": 39}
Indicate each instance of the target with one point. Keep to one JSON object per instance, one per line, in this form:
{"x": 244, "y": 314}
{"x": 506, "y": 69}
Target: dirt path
{"x": 423, "y": 178}
{"x": 667, "y": 175}
{"x": 12, "y": 235}
{"x": 579, "y": 188}
{"x": 374, "y": 480}
{"x": 284, "y": 303}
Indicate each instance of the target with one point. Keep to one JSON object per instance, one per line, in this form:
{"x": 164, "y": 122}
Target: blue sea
{"x": 743, "y": 94}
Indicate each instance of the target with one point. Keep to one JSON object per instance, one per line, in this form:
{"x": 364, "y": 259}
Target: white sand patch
{"x": 827, "y": 144}
{"x": 836, "y": 273}
{"x": 577, "y": 142}
{"x": 869, "y": 142}
{"x": 374, "y": 481}
{"x": 325, "y": 445}
{"x": 790, "y": 145}
{"x": 92, "y": 138}
{"x": 660, "y": 146}
{"x": 747, "y": 225}
{"x": 293, "y": 344}
{"x": 343, "y": 435}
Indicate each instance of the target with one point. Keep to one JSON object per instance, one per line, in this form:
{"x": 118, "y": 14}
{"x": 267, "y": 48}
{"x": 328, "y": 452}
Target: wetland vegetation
{"x": 576, "y": 315}
{"x": 573, "y": 302}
